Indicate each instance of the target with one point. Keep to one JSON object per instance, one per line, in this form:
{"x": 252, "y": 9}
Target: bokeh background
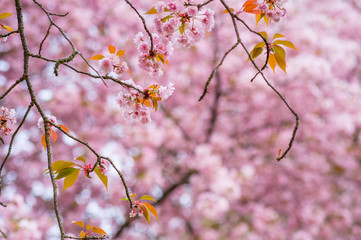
{"x": 210, "y": 163}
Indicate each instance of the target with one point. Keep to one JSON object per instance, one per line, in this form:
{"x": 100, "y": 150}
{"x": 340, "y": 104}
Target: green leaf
{"x": 70, "y": 180}
{"x": 260, "y": 45}
{"x": 166, "y": 18}
{"x": 182, "y": 28}
{"x": 279, "y": 51}
{"x": 80, "y": 223}
{"x": 285, "y": 43}
{"x": 99, "y": 231}
{"x": 102, "y": 177}
{"x": 151, "y": 209}
{"x": 278, "y": 35}
{"x": 264, "y": 34}
{"x": 256, "y": 52}
{"x": 61, "y": 164}
{"x": 81, "y": 158}
{"x": 124, "y": 199}
{"x": 5, "y": 15}
{"x": 152, "y": 11}
{"x": 147, "y": 197}
{"x": 66, "y": 172}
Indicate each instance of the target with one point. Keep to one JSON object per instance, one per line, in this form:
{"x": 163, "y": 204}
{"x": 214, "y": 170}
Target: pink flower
{"x": 87, "y": 169}
{"x": 41, "y": 121}
{"x": 166, "y": 92}
{"x": 192, "y": 11}
{"x": 105, "y": 65}
{"x": 172, "y": 7}
{"x": 121, "y": 68}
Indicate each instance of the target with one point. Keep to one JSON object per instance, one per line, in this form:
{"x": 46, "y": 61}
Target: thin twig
{"x": 12, "y": 87}
{"x": 14, "y": 135}
{"x": 294, "y": 132}
{"x": 144, "y": 25}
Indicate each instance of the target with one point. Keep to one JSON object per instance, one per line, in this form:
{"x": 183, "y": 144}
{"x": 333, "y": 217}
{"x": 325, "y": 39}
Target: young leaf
{"x": 64, "y": 128}
{"x": 279, "y": 51}
{"x": 147, "y": 197}
{"x": 166, "y": 18}
{"x": 82, "y": 234}
{"x": 160, "y": 58}
{"x": 81, "y": 158}
{"x": 285, "y": 43}
{"x": 55, "y": 136}
{"x": 99, "y": 231}
{"x": 152, "y": 11}
{"x": 120, "y": 53}
{"x": 129, "y": 72}
{"x": 70, "y": 180}
{"x": 61, "y": 164}
{"x": 112, "y": 49}
{"x": 88, "y": 227}
{"x": 80, "y": 223}
{"x": 133, "y": 195}
{"x": 256, "y": 52}
{"x": 7, "y": 28}
{"x": 155, "y": 104}
{"x": 146, "y": 213}
{"x": 226, "y": 11}
{"x": 66, "y": 172}
{"x": 264, "y": 34}
{"x": 278, "y": 35}
{"x": 250, "y": 6}
{"x": 5, "y": 15}
{"x": 124, "y": 199}
{"x": 182, "y": 28}
{"x": 43, "y": 141}
{"x": 281, "y": 62}
{"x": 259, "y": 17}
{"x": 97, "y": 57}
{"x": 102, "y": 177}
{"x": 152, "y": 210}
{"x": 272, "y": 62}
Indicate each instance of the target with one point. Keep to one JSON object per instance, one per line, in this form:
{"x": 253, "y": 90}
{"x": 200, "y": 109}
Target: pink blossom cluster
{"x": 7, "y": 116}
{"x": 273, "y": 9}
{"x": 150, "y": 60}
{"x": 127, "y": 98}
{"x": 103, "y": 169}
{"x": 183, "y": 24}
{"x": 87, "y": 169}
{"x": 132, "y": 102}
{"x": 41, "y": 121}
{"x": 137, "y": 209}
{"x": 112, "y": 63}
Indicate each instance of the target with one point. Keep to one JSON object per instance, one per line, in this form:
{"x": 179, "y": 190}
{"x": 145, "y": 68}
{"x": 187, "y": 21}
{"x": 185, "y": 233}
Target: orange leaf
{"x": 64, "y": 128}
{"x": 5, "y": 15}
{"x": 129, "y": 72}
{"x": 120, "y": 53}
{"x": 7, "y": 28}
{"x": 97, "y": 57}
{"x": 43, "y": 141}
{"x": 272, "y": 62}
{"x": 80, "y": 223}
{"x": 226, "y": 11}
{"x": 112, "y": 49}
{"x": 151, "y": 209}
{"x": 55, "y": 136}
{"x": 152, "y": 11}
